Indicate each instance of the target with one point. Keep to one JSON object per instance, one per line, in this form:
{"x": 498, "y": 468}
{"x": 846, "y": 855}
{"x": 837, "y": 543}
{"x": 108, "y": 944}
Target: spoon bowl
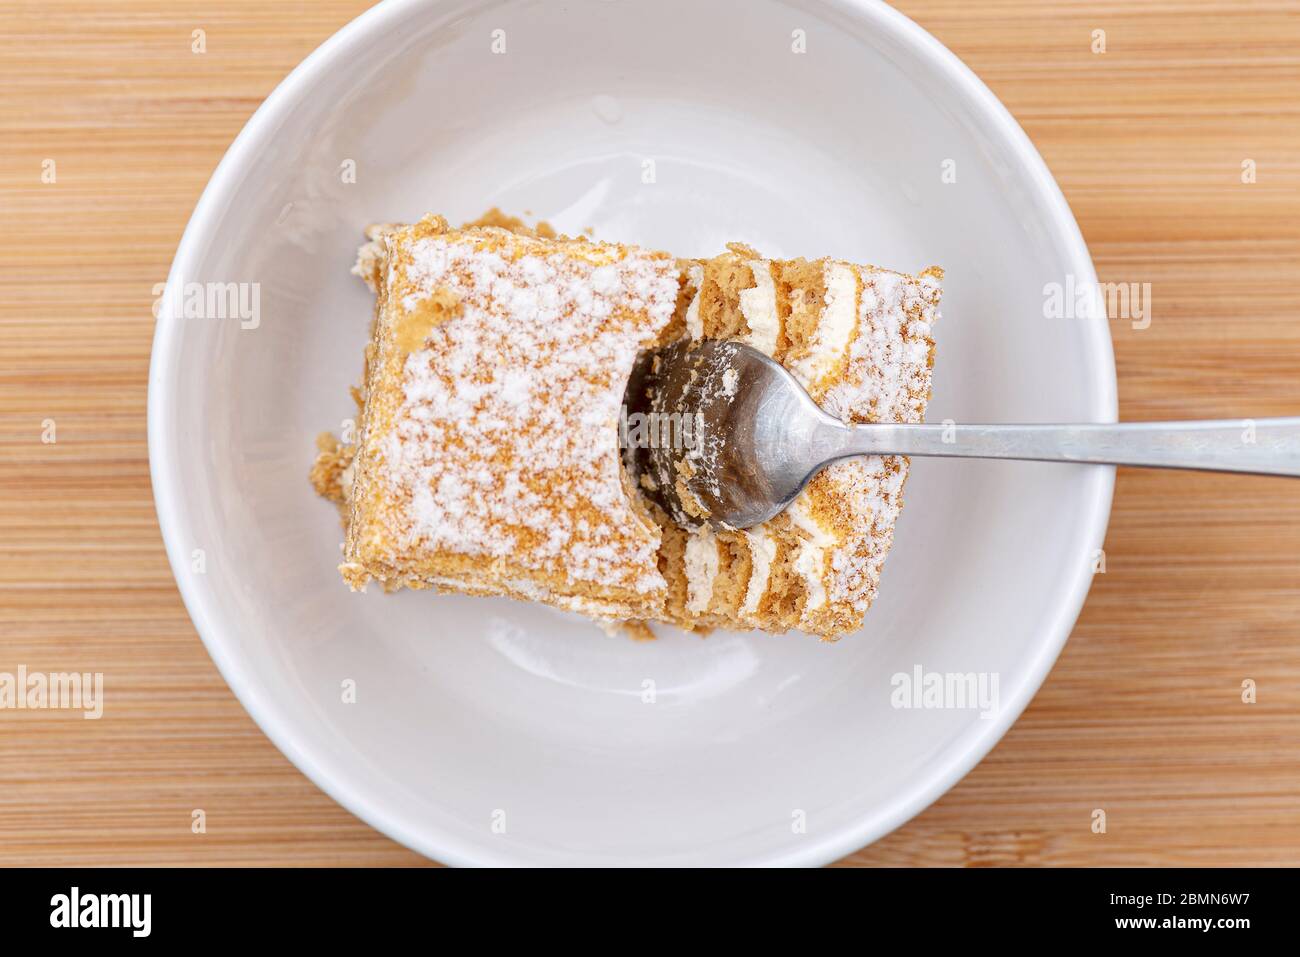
{"x": 744, "y": 458}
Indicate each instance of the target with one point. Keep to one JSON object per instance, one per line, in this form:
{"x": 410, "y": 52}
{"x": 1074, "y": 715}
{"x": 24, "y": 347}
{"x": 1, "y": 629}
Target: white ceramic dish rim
{"x": 443, "y": 847}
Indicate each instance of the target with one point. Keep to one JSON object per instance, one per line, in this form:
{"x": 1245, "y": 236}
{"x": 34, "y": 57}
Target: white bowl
{"x": 486, "y": 731}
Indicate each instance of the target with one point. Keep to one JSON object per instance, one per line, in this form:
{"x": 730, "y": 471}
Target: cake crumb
{"x": 332, "y": 461}
{"x": 637, "y": 630}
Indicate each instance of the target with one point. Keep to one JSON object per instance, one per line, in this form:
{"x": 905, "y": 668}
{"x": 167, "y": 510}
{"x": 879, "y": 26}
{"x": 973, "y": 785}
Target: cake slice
{"x": 859, "y": 340}
{"x": 487, "y": 458}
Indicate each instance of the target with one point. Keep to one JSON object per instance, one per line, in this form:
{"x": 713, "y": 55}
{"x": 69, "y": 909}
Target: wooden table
{"x": 1143, "y": 715}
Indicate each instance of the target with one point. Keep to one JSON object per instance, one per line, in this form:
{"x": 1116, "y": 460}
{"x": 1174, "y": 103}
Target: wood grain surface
{"x": 1143, "y": 714}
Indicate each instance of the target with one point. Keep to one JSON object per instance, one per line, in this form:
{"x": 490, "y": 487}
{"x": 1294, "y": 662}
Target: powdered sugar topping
{"x": 506, "y": 440}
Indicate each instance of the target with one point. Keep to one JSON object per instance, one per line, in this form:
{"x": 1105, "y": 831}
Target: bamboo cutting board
{"x": 1143, "y": 715}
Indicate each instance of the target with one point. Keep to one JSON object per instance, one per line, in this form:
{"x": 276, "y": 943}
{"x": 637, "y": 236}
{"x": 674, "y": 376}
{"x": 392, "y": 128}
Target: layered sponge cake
{"x": 858, "y": 338}
{"x": 487, "y": 460}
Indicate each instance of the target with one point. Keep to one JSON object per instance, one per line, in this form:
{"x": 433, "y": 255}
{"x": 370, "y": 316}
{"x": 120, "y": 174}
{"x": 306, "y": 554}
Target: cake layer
{"x": 487, "y": 459}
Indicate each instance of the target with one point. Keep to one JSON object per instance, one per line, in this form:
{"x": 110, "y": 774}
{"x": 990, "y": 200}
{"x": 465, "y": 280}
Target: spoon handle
{"x": 1259, "y": 446}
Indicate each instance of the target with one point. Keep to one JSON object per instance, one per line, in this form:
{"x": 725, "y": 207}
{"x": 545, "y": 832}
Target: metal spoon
{"x": 721, "y": 433}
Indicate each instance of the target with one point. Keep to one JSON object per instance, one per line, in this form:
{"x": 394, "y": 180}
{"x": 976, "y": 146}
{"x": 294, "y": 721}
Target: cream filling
{"x": 810, "y": 560}
{"x": 834, "y": 328}
{"x": 694, "y": 325}
{"x": 762, "y": 552}
{"x": 802, "y": 517}
{"x": 529, "y": 589}
{"x": 808, "y": 563}
{"x": 758, "y": 306}
{"x": 701, "y": 569}
{"x": 534, "y": 591}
